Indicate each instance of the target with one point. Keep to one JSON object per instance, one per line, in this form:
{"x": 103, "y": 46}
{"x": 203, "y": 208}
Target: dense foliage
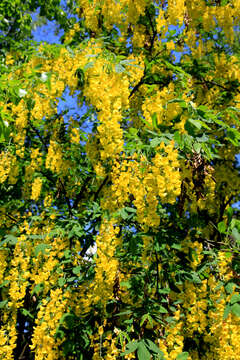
{"x": 118, "y": 235}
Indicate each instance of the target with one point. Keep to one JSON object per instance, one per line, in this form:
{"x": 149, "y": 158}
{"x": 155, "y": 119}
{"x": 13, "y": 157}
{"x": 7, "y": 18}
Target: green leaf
{"x": 130, "y": 347}
{"x": 155, "y": 142}
{"x": 153, "y": 347}
{"x": 221, "y": 227}
{"x": 25, "y": 312}
{"x": 41, "y": 248}
{"x": 129, "y": 209}
{"x": 59, "y": 333}
{"x": 68, "y": 319}
{"x": 128, "y": 62}
{"x": 127, "y": 312}
{"x": 126, "y": 284}
{"x": 10, "y": 239}
{"x": 164, "y": 291}
{"x": 119, "y": 68}
{"x": 224, "y": 2}
{"x": 178, "y": 138}
{"x": 233, "y": 136}
{"x": 195, "y": 278}
{"x": 154, "y": 120}
{"x": 123, "y": 213}
{"x": 226, "y": 312}
{"x": 89, "y": 65}
{"x": 76, "y": 270}
{"x": 236, "y": 235}
{"x": 170, "y": 319}
{"x": 199, "y": 124}
{"x": 235, "y": 298}
{"x": 183, "y": 356}
{"x": 142, "y": 351}
{"x": 162, "y": 310}
{"x": 4, "y": 283}
{"x": 144, "y": 317}
{"x": 202, "y": 139}
{"x": 67, "y": 254}
{"x": 230, "y": 287}
{"x": 176, "y": 68}
{"x": 236, "y": 309}
{"x": 195, "y": 123}
{"x": 3, "y": 303}
{"x": 61, "y": 281}
{"x": 37, "y": 288}
{"x": 176, "y": 246}
{"x": 146, "y": 122}
{"x": 37, "y": 67}
{"x": 197, "y": 147}
{"x": 187, "y": 140}
{"x": 203, "y": 108}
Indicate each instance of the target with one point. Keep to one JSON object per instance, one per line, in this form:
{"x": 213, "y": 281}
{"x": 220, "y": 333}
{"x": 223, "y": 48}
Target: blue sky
{"x": 47, "y": 33}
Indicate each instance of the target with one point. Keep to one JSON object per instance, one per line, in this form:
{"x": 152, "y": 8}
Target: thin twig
{"x": 216, "y": 84}
{"x": 67, "y": 199}
{"x": 153, "y": 30}
{"x": 23, "y": 351}
{"x": 11, "y": 217}
{"x": 157, "y": 263}
{"x": 80, "y": 194}
{"x": 100, "y": 188}
{"x": 39, "y": 135}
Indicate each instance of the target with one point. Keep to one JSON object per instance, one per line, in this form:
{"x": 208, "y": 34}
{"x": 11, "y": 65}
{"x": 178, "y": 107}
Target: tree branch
{"x": 80, "y": 194}
{"x": 39, "y": 135}
{"x": 66, "y": 198}
{"x": 214, "y": 83}
{"x": 154, "y": 32}
{"x": 100, "y": 188}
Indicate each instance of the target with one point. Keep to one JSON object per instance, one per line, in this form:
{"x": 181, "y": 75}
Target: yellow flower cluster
{"x": 106, "y": 264}
{"x": 119, "y": 13}
{"x": 139, "y": 36}
{"x": 172, "y": 346}
{"x": 75, "y": 136}
{"x": 44, "y": 343}
{"x": 202, "y": 315}
{"x": 43, "y": 270}
{"x": 224, "y": 336}
{"x": 42, "y": 106}
{"x": 176, "y": 11}
{"x": 158, "y": 104}
{"x": 21, "y": 113}
{"x": 104, "y": 345}
{"x": 103, "y": 93}
{"x": 8, "y": 335}
{"x": 224, "y": 264}
{"x": 147, "y": 182}
{"x": 54, "y": 159}
{"x": 3, "y": 263}
{"x": 8, "y": 168}
{"x": 195, "y": 305}
{"x": 19, "y": 273}
{"x": 35, "y": 165}
{"x": 36, "y": 188}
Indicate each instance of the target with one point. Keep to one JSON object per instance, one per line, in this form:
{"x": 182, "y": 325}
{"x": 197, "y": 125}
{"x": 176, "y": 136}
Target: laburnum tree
{"x": 119, "y": 238}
